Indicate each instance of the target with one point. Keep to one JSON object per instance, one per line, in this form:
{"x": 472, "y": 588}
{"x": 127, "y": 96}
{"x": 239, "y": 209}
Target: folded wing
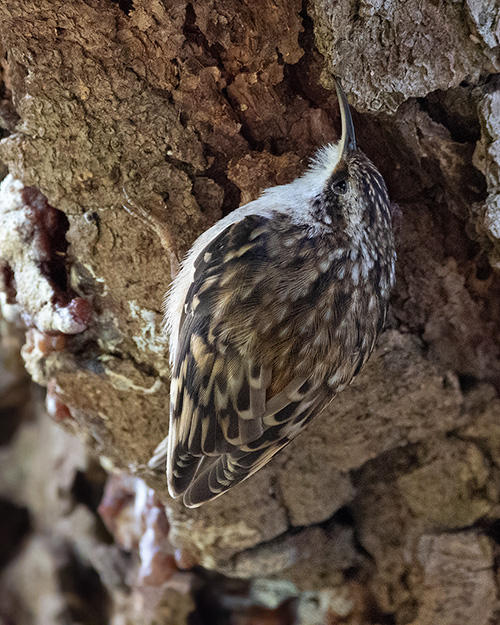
{"x": 228, "y": 416}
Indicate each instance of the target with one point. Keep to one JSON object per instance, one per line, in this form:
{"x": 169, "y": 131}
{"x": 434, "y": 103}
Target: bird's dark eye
{"x": 340, "y": 187}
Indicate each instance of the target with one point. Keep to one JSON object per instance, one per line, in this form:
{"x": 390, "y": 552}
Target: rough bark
{"x": 129, "y": 128}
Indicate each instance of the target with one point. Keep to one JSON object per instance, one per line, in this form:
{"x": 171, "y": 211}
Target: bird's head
{"x": 349, "y": 191}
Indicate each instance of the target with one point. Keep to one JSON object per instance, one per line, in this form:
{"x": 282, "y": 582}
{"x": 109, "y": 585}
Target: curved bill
{"x": 348, "y": 140}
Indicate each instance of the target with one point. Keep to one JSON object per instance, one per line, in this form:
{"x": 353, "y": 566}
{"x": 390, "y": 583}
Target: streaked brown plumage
{"x": 276, "y": 309}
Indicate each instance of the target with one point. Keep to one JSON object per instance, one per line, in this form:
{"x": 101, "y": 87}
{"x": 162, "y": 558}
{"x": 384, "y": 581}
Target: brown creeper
{"x": 275, "y": 310}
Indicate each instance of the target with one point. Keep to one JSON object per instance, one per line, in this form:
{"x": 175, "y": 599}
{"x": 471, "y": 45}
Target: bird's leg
{"x": 160, "y": 227}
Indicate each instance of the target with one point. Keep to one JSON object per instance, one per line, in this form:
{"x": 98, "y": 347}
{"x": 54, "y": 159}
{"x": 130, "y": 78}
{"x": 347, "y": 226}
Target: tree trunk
{"x": 130, "y": 126}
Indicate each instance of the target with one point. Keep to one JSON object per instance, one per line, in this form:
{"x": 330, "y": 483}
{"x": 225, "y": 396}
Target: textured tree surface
{"x": 129, "y": 127}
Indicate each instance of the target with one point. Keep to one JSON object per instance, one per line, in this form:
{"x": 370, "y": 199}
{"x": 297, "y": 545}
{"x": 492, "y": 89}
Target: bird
{"x": 274, "y": 311}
